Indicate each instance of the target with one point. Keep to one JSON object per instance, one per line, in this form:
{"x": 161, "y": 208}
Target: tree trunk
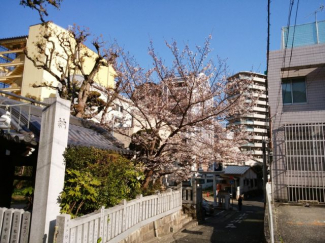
{"x": 82, "y": 99}
{"x": 148, "y": 179}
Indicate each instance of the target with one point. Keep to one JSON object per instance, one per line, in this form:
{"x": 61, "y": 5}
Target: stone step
{"x": 185, "y": 216}
{"x": 190, "y": 224}
{"x": 185, "y": 221}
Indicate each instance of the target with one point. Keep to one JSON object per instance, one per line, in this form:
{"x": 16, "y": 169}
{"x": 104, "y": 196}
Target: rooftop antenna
{"x": 320, "y": 9}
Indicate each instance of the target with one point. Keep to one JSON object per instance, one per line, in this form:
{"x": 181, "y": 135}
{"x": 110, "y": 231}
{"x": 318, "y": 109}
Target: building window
{"x": 294, "y": 91}
{"x": 119, "y": 108}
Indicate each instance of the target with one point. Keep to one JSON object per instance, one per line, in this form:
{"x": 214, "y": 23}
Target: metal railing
{"x": 303, "y": 35}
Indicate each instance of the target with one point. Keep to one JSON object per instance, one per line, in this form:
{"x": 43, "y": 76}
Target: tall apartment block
{"x": 296, "y": 81}
{"x": 255, "y": 121}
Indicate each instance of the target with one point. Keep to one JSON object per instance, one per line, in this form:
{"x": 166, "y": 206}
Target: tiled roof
{"x": 236, "y": 170}
{"x": 14, "y": 38}
{"x": 81, "y": 132}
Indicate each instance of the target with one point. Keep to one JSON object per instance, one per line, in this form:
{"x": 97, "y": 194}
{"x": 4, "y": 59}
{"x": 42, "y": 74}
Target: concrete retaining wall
{"x": 163, "y": 226}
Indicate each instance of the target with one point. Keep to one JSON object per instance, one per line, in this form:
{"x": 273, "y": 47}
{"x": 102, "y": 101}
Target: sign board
{"x": 231, "y": 182}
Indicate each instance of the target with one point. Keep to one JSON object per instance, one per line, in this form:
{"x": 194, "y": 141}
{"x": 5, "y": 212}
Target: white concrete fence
{"x": 116, "y": 223}
{"x": 188, "y": 195}
{"x": 14, "y": 225}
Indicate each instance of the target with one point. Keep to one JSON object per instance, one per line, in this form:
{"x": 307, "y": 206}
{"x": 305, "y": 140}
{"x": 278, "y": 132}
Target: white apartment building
{"x": 255, "y": 121}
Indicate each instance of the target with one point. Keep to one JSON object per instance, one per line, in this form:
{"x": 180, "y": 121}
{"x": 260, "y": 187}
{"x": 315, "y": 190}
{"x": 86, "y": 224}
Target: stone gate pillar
{"x": 50, "y": 169}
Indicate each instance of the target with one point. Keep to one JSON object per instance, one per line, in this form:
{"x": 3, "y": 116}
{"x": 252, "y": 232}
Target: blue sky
{"x": 238, "y": 27}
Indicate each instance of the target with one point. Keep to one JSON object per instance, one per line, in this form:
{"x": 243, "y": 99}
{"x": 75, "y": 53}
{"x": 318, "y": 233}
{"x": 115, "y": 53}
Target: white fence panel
{"x": 116, "y": 223}
{"x": 14, "y": 225}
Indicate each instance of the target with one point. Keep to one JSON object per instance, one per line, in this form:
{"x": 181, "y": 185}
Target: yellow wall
{"x": 32, "y": 75}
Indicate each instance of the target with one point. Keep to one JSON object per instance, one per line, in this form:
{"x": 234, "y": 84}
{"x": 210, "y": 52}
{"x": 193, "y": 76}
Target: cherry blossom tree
{"x": 224, "y": 148}
{"x": 175, "y": 104}
{"x": 41, "y": 6}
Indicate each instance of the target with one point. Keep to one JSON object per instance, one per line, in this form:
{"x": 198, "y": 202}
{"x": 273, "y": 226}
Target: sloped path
{"x": 230, "y": 226}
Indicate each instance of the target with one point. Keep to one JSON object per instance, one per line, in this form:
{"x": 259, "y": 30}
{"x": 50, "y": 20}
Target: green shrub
{"x": 95, "y": 178}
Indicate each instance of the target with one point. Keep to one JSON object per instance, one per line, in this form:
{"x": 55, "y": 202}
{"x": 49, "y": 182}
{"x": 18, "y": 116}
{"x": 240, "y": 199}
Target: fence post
{"x": 7, "y": 222}
{"x": 124, "y": 218}
{"x": 169, "y": 198}
{"x": 140, "y": 208}
{"x": 194, "y": 192}
{"x": 24, "y": 233}
{"x": 2, "y": 213}
{"x": 158, "y": 203}
{"x": 16, "y": 226}
{"x": 63, "y": 221}
{"x": 101, "y": 223}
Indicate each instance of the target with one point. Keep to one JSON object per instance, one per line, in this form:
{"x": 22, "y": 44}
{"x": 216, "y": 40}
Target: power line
{"x": 293, "y": 37}
{"x": 285, "y": 51}
{"x": 288, "y": 31}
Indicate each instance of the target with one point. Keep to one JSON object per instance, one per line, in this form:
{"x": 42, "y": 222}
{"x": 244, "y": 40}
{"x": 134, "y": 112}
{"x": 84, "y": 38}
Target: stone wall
{"x": 166, "y": 225}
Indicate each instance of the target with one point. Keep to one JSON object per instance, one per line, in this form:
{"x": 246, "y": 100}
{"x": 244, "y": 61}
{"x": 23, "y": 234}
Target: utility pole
{"x": 264, "y": 170}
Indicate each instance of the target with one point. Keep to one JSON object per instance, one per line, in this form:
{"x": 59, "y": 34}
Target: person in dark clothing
{"x": 240, "y": 203}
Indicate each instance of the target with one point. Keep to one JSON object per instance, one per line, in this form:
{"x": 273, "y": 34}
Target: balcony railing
{"x": 303, "y": 35}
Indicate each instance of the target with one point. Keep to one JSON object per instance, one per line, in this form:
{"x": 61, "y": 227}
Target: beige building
{"x": 18, "y": 74}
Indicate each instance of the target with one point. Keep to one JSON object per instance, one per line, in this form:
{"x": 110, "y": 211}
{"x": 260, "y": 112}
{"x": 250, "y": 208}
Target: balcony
{"x": 261, "y": 123}
{"x": 248, "y": 145}
{"x": 253, "y": 145}
{"x": 12, "y": 60}
{"x": 259, "y": 95}
{"x": 257, "y": 152}
{"x": 258, "y": 138}
{"x": 262, "y": 80}
{"x": 254, "y": 115}
{"x": 249, "y": 129}
{"x": 258, "y": 87}
{"x": 262, "y": 102}
{"x": 245, "y": 122}
{"x": 260, "y": 130}
{"x": 259, "y": 109}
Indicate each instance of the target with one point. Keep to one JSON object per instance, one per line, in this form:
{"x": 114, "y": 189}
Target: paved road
{"x": 229, "y": 226}
{"x": 301, "y": 224}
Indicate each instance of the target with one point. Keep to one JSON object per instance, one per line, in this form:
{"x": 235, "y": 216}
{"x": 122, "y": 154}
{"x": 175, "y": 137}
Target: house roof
{"x": 14, "y": 38}
{"x": 236, "y": 170}
{"x": 13, "y": 42}
{"x": 81, "y": 132}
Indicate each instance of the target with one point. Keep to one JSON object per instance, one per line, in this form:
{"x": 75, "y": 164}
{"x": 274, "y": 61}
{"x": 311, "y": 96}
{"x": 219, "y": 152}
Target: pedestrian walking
{"x": 240, "y": 203}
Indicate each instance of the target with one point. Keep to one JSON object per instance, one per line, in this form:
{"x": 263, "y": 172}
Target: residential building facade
{"x": 296, "y": 80}
{"x": 255, "y": 121}
{"x": 18, "y": 74}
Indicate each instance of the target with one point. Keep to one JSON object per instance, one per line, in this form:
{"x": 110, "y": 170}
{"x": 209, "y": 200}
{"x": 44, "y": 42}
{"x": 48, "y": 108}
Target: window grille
{"x": 305, "y": 161}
